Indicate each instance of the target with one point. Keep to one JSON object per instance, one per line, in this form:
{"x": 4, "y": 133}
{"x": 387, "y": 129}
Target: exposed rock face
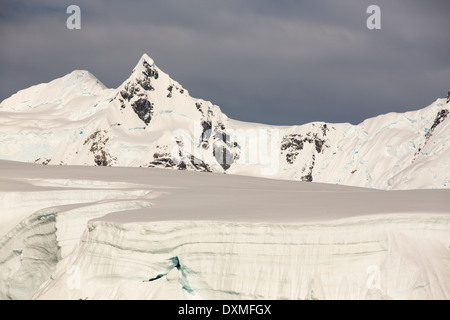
{"x": 97, "y": 142}
{"x": 440, "y": 117}
{"x": 164, "y": 159}
{"x": 135, "y": 91}
{"x": 293, "y": 144}
{"x": 214, "y": 137}
{"x": 144, "y": 109}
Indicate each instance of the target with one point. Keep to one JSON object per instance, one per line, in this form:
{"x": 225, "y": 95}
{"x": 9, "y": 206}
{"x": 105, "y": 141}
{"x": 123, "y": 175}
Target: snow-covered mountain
{"x": 150, "y": 120}
{"x": 122, "y": 230}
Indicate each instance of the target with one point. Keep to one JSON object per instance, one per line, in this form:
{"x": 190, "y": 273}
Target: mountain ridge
{"x": 150, "y": 120}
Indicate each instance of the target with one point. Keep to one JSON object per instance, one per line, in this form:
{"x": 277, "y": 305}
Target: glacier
{"x": 144, "y": 192}
{"x": 150, "y": 233}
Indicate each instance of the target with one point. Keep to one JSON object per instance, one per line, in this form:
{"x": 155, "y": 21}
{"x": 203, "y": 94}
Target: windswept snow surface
{"x": 77, "y": 232}
{"x": 150, "y": 120}
{"x": 125, "y": 229}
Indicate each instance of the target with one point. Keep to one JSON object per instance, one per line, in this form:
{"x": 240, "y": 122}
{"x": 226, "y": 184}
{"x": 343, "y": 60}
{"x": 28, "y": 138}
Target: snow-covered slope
{"x": 150, "y": 120}
{"x": 74, "y": 232}
{"x": 127, "y": 230}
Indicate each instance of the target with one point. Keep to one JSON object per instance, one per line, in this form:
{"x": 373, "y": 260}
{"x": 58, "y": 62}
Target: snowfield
{"x": 77, "y": 232}
{"x": 90, "y": 210}
{"x": 150, "y": 120}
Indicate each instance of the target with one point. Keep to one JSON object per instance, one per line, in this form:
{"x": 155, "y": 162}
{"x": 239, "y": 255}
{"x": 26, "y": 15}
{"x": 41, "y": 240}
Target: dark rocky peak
{"x": 142, "y": 76}
{"x": 146, "y": 68}
{"x": 134, "y": 91}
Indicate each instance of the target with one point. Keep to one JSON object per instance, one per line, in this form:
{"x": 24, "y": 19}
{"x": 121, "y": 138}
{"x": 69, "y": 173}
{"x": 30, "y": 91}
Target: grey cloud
{"x": 280, "y": 62}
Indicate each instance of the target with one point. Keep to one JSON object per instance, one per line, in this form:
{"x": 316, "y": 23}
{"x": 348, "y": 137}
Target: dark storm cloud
{"x": 279, "y": 62}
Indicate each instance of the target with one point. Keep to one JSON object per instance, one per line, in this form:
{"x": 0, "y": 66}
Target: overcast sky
{"x": 277, "y": 62}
